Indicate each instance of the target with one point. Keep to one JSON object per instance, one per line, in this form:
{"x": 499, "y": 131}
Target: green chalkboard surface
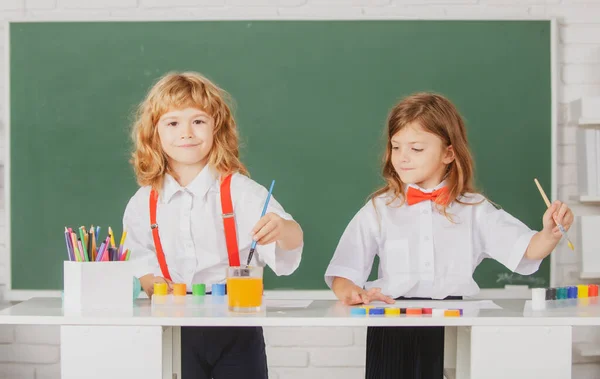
{"x": 311, "y": 101}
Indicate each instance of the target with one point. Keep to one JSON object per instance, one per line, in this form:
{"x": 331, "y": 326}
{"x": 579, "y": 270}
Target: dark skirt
{"x": 406, "y": 352}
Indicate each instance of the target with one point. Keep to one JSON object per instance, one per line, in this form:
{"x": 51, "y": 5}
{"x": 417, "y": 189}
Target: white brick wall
{"x": 37, "y": 335}
{"x": 309, "y": 337}
{"x": 33, "y": 352}
{"x": 29, "y": 353}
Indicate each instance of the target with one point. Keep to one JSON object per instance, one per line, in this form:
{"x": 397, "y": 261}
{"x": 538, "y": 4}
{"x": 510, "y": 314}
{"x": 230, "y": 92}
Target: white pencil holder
{"x": 90, "y": 286}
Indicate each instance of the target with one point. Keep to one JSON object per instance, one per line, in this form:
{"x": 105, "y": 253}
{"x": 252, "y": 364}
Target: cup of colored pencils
{"x": 84, "y": 245}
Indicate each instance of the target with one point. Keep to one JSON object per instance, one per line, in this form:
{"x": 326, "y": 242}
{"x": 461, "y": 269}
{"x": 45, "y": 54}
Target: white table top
{"x": 49, "y": 311}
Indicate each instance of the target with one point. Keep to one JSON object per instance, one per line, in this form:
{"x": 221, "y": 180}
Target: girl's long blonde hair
{"x": 179, "y": 91}
{"x": 437, "y": 115}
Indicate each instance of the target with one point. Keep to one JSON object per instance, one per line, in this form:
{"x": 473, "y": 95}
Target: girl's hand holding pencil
{"x": 557, "y": 215}
{"x": 557, "y": 219}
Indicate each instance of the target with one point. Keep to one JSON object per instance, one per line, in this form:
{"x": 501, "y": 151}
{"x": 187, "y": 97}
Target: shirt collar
{"x": 442, "y": 184}
{"x": 198, "y": 187}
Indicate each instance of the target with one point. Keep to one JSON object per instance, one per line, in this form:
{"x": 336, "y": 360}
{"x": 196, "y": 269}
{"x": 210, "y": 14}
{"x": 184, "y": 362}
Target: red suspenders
{"x": 228, "y": 223}
{"x": 157, "y": 245}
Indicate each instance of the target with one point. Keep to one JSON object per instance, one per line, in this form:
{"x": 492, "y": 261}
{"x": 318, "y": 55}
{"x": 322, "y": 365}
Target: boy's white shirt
{"x": 423, "y": 254}
{"x": 192, "y": 233}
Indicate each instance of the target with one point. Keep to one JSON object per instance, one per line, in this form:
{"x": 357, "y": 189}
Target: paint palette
{"x": 366, "y": 310}
{"x": 181, "y": 299}
{"x": 561, "y": 297}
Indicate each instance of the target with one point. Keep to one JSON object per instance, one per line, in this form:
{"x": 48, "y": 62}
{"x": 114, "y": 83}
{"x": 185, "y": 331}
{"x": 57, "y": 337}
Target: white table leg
{"x": 176, "y": 349}
{"x": 167, "y": 345}
{"x": 116, "y": 352}
{"x": 495, "y": 352}
{"x": 450, "y": 341}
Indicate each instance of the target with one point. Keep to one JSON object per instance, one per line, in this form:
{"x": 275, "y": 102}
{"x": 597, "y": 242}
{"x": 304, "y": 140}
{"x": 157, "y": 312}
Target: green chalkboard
{"x": 311, "y": 101}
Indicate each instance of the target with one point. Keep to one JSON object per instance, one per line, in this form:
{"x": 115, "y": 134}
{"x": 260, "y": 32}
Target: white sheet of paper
{"x": 441, "y": 304}
{"x": 273, "y": 303}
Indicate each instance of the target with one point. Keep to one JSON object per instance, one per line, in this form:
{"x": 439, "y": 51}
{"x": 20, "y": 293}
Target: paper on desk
{"x": 442, "y": 304}
{"x": 273, "y": 303}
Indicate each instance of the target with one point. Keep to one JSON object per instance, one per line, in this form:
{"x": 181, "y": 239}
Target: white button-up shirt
{"x": 422, "y": 253}
{"x": 192, "y": 233}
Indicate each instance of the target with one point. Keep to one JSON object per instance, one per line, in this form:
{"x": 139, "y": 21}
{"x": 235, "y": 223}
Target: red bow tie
{"x": 414, "y": 196}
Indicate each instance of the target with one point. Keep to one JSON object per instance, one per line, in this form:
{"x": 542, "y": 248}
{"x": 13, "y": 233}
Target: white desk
{"x": 512, "y": 342}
